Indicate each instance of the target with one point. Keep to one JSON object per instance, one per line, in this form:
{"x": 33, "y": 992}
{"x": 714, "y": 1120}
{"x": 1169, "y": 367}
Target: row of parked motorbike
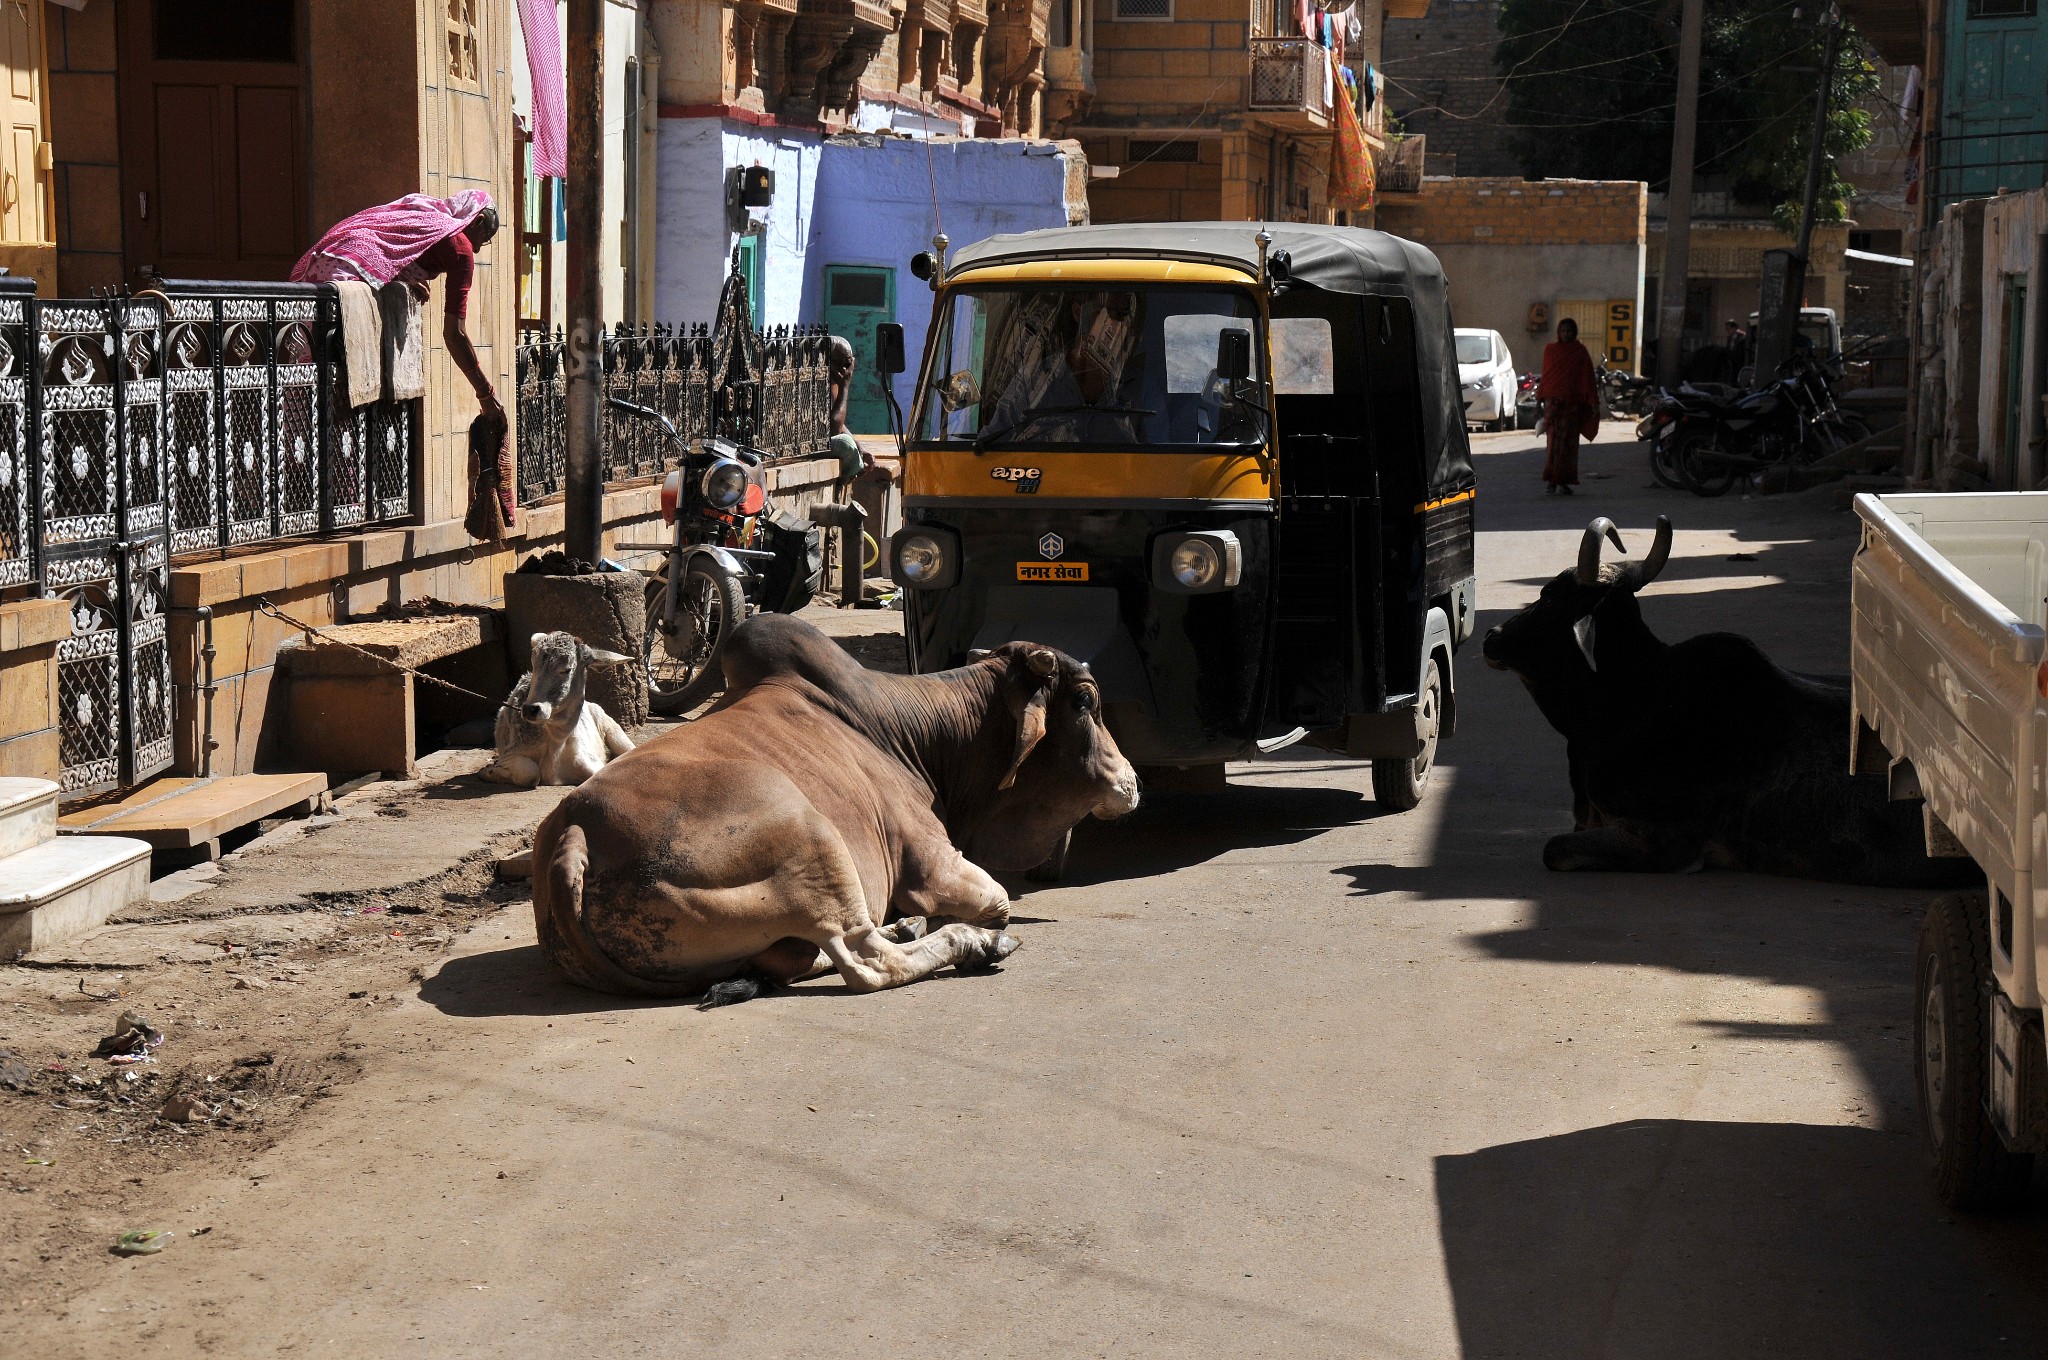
{"x": 1707, "y": 437}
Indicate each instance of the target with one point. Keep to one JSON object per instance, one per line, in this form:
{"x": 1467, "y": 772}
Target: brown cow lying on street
{"x": 815, "y": 806}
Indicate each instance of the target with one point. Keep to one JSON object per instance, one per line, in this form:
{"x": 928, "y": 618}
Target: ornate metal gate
{"x": 98, "y": 414}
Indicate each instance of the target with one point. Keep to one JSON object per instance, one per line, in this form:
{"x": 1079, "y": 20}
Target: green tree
{"x": 1589, "y": 87}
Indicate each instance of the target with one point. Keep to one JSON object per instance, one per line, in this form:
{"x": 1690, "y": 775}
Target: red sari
{"x": 1571, "y": 408}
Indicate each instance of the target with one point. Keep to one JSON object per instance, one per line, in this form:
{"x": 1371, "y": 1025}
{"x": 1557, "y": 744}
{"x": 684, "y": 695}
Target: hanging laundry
{"x": 550, "y": 94}
{"x": 1353, "y": 186}
{"x": 1370, "y": 87}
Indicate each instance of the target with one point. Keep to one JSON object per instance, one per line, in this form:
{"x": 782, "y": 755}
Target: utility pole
{"x": 1778, "y": 324}
{"x": 583, "y": 359}
{"x": 1678, "y": 200}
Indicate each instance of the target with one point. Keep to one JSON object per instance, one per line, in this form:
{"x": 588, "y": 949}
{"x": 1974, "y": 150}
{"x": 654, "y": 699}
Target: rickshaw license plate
{"x": 1052, "y": 571}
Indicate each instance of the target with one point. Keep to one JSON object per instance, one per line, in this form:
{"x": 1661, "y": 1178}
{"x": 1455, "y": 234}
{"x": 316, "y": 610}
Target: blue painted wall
{"x": 875, "y": 207}
{"x": 865, "y": 200}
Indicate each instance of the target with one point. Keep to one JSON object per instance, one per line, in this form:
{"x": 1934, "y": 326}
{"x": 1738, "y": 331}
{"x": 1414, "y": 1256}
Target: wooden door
{"x": 213, "y": 138}
{"x": 24, "y": 153}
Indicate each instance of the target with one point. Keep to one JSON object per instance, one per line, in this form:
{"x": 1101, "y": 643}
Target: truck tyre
{"x": 1398, "y": 785}
{"x": 1970, "y": 1166}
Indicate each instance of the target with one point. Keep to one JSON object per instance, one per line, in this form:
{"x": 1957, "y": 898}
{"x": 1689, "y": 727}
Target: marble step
{"x": 58, "y": 890}
{"x": 28, "y": 814}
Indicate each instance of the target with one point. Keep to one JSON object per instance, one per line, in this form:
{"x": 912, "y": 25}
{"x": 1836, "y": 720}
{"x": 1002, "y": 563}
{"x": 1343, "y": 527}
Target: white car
{"x": 1486, "y": 375}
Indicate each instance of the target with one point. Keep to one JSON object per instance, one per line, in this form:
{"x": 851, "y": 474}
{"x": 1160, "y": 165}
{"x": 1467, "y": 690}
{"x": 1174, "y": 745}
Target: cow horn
{"x": 1588, "y": 573}
{"x": 1659, "y": 554}
{"x": 1042, "y": 663}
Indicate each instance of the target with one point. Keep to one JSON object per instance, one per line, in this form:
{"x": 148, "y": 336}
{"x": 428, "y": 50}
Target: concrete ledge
{"x": 33, "y": 623}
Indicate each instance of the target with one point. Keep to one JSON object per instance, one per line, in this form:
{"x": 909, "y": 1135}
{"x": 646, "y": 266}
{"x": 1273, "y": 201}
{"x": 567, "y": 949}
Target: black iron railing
{"x": 191, "y": 417}
{"x": 770, "y": 392}
{"x": 1979, "y": 164}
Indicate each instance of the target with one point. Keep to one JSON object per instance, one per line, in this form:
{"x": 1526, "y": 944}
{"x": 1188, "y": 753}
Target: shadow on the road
{"x": 1172, "y": 831}
{"x": 1677, "y": 1239}
{"x": 520, "y": 981}
{"x": 517, "y": 981}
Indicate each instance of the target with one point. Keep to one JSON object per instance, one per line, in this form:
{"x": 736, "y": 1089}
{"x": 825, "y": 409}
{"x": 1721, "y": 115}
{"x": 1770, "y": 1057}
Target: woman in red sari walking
{"x": 1571, "y": 407}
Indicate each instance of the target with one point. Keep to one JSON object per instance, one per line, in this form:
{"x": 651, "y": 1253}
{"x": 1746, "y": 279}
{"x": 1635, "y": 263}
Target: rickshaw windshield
{"x": 1051, "y": 366}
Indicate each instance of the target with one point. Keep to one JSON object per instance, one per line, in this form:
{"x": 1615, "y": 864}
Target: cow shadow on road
{"x": 1172, "y": 831}
{"x": 1681, "y": 1239}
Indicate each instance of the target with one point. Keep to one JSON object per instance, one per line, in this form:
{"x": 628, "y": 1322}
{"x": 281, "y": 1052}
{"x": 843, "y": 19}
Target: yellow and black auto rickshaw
{"x": 1224, "y": 464}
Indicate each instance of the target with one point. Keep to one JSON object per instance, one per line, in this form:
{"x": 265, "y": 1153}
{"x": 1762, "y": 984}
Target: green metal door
{"x": 1993, "y": 126}
{"x": 857, "y": 299}
{"x": 750, "y": 265}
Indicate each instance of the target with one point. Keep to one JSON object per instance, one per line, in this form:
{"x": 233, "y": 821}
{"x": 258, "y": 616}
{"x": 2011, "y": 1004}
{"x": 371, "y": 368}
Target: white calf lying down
{"x": 548, "y": 733}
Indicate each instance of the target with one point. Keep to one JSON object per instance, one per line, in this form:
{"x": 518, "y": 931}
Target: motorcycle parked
{"x": 728, "y": 557}
{"x": 1624, "y": 394}
{"x": 1706, "y": 440}
{"x": 1528, "y": 410}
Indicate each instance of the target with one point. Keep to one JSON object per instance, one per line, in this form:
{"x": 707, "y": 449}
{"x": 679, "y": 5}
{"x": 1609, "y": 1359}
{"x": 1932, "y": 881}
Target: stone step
{"x": 58, "y": 890}
{"x": 28, "y": 814}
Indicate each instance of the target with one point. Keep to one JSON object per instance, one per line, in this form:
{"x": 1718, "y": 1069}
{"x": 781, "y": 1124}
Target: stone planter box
{"x": 607, "y": 609}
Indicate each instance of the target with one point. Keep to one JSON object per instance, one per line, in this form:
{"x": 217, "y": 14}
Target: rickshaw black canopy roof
{"x": 1334, "y": 259}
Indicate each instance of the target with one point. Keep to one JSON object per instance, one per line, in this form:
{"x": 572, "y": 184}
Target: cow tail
{"x": 558, "y": 919}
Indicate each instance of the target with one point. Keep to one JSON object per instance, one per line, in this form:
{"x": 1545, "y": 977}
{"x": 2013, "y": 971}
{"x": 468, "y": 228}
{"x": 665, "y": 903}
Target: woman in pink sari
{"x": 1571, "y": 407}
{"x": 412, "y": 241}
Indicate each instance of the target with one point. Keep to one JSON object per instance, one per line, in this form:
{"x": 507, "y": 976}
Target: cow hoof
{"x": 991, "y": 951}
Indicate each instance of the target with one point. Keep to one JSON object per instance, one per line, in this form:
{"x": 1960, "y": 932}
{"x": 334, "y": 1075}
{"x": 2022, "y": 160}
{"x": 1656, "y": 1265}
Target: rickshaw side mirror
{"x": 889, "y": 347}
{"x": 923, "y": 266}
{"x": 1234, "y": 354}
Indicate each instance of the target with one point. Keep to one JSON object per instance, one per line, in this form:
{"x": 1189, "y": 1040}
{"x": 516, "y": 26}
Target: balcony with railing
{"x": 1290, "y": 84}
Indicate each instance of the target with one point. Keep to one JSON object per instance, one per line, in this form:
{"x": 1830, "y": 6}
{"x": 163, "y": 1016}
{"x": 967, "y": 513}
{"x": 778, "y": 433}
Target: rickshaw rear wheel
{"x": 1055, "y": 867}
{"x": 1399, "y": 784}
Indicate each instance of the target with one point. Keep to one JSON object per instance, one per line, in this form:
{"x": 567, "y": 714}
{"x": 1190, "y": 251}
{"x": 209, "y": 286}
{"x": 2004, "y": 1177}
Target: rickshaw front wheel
{"x": 1399, "y": 784}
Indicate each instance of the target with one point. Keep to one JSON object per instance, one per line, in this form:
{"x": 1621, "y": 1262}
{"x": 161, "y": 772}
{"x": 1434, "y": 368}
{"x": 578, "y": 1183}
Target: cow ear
{"x": 1040, "y": 667}
{"x": 602, "y": 657}
{"x": 1030, "y": 731}
{"x": 1582, "y": 633}
{"x": 533, "y": 643}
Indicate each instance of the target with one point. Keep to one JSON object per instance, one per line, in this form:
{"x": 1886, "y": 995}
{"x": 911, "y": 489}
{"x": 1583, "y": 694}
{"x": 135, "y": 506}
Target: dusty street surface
{"x": 1274, "y": 1074}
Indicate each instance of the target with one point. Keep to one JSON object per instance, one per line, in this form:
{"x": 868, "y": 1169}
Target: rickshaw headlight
{"x": 1199, "y": 563}
{"x": 725, "y": 483}
{"x": 1195, "y": 563}
{"x": 925, "y": 559}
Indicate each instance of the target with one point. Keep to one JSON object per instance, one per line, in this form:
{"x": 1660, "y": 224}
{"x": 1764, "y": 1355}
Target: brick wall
{"x": 1154, "y": 182}
{"x": 1441, "y": 81}
{"x": 1519, "y": 212}
{"x": 85, "y": 145}
{"x": 1171, "y": 73}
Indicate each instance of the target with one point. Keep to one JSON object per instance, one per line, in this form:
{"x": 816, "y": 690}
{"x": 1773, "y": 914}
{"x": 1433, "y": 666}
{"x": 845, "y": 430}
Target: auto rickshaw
{"x": 1222, "y": 463}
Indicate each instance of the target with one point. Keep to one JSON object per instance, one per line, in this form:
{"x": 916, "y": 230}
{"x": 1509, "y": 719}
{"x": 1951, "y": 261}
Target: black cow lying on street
{"x": 1702, "y": 753}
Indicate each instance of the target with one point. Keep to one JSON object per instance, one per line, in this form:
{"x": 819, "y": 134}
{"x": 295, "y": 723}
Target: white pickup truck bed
{"x": 1949, "y": 595}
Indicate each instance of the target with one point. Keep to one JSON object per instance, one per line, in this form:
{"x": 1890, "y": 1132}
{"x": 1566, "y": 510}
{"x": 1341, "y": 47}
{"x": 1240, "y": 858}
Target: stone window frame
{"x": 463, "y": 40}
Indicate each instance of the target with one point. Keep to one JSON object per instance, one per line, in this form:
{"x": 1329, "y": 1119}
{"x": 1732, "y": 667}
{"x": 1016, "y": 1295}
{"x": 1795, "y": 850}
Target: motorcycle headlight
{"x": 925, "y": 559}
{"x": 725, "y": 484}
{"x": 1200, "y": 563}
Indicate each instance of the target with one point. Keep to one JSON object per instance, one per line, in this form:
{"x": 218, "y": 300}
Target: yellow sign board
{"x": 1052, "y": 571}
